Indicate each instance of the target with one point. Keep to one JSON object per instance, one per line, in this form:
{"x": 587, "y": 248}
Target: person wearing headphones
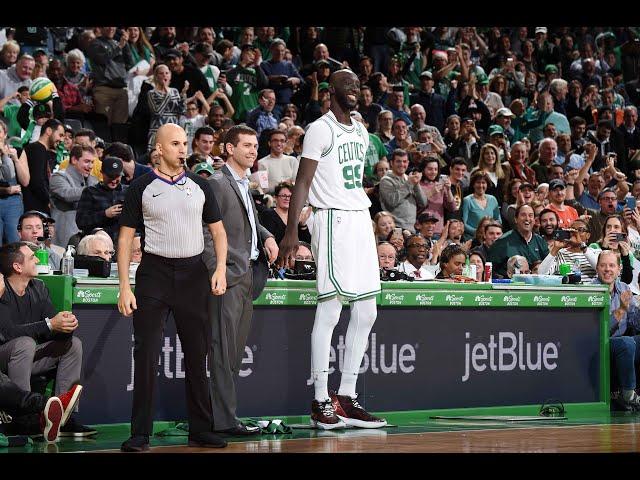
{"x": 33, "y": 226}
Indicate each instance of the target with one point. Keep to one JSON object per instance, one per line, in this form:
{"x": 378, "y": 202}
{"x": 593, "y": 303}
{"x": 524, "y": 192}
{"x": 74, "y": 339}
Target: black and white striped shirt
{"x": 170, "y": 214}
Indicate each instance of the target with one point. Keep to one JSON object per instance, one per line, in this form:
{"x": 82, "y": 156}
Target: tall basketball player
{"x": 343, "y": 245}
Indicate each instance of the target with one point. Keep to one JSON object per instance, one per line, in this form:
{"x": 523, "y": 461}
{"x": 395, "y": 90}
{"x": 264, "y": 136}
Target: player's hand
{"x": 288, "y": 249}
{"x": 127, "y": 302}
{"x": 219, "y": 282}
{"x": 304, "y": 216}
{"x": 272, "y": 249}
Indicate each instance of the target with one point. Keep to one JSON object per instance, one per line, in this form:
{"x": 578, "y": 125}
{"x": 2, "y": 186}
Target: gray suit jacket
{"x": 236, "y": 223}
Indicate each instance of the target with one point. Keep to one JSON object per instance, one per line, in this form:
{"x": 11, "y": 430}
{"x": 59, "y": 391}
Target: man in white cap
{"x": 545, "y": 52}
{"x": 503, "y": 118}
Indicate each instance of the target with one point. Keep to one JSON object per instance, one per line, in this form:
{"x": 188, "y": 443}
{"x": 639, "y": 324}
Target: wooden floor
{"x": 578, "y": 439}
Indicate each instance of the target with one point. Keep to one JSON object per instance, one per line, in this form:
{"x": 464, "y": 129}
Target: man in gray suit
{"x": 250, "y": 246}
{"x": 66, "y": 188}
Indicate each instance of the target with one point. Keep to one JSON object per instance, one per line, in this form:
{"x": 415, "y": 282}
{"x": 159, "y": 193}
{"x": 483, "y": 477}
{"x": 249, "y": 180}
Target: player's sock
{"x": 327, "y": 316}
{"x": 348, "y": 384}
{"x": 363, "y": 316}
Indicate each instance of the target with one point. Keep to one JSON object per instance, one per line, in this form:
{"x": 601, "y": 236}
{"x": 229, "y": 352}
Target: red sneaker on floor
{"x": 69, "y": 400}
{"x": 351, "y": 412}
{"x": 51, "y": 419}
{"x": 324, "y": 417}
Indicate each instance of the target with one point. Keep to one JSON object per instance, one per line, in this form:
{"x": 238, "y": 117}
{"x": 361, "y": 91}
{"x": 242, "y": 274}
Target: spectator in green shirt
{"x": 519, "y": 241}
{"x": 375, "y": 152}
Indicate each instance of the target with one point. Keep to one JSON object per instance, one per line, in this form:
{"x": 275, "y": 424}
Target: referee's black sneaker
{"x": 206, "y": 440}
{"x": 137, "y": 443}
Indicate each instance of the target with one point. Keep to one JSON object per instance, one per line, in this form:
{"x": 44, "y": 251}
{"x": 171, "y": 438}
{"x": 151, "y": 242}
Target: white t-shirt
{"x": 279, "y": 169}
{"x": 340, "y": 152}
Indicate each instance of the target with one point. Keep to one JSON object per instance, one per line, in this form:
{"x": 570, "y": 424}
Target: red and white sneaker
{"x": 51, "y": 419}
{"x": 351, "y": 412}
{"x": 69, "y": 400}
{"x": 323, "y": 416}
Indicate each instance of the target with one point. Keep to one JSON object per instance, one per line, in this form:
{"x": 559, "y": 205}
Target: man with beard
{"x": 557, "y": 194}
{"x": 40, "y": 157}
{"x": 519, "y": 241}
{"x": 166, "y": 42}
{"x": 330, "y": 175}
{"x": 548, "y": 224}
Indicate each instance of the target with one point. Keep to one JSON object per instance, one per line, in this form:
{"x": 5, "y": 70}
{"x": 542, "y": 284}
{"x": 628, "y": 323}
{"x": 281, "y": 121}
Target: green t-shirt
{"x": 10, "y": 112}
{"x": 245, "y": 92}
{"x": 374, "y": 153}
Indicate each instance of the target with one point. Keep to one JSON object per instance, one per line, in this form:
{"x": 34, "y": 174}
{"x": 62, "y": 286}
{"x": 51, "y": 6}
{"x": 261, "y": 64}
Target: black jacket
{"x": 92, "y": 204}
{"x": 31, "y": 323}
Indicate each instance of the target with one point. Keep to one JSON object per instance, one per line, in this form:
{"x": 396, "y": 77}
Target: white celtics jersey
{"x": 340, "y": 152}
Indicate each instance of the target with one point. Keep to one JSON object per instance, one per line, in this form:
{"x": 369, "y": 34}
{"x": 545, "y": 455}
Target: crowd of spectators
{"x": 484, "y": 142}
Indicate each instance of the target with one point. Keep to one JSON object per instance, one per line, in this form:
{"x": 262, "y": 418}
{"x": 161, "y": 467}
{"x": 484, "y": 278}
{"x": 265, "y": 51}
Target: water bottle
{"x": 68, "y": 261}
{"x": 577, "y": 272}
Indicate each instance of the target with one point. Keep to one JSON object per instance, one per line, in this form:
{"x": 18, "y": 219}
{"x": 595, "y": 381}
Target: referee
{"x": 169, "y": 205}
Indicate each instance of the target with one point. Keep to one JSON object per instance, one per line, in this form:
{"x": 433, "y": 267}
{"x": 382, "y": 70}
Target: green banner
{"x": 469, "y": 299}
{"x": 96, "y": 295}
{"x": 278, "y": 294}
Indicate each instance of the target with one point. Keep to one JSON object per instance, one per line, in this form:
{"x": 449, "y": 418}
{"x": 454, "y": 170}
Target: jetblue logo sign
{"x": 511, "y": 352}
{"x": 378, "y": 358}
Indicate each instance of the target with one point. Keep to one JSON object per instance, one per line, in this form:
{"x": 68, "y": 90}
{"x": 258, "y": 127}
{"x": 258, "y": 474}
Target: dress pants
{"x": 180, "y": 286}
{"x": 230, "y": 316}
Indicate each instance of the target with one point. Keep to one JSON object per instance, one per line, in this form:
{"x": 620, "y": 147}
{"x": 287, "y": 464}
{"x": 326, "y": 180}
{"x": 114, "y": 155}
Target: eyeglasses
{"x": 283, "y": 195}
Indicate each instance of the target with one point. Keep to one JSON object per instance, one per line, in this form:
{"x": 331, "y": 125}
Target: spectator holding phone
{"x": 400, "y": 193}
{"x": 437, "y": 189}
{"x": 101, "y": 205}
{"x": 571, "y": 248}
{"x": 614, "y": 236}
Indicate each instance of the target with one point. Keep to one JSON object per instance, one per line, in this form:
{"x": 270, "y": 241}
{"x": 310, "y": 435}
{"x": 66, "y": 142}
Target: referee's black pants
{"x": 182, "y": 286}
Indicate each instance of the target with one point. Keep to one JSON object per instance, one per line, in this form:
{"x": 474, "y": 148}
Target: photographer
{"x": 304, "y": 267}
{"x": 573, "y": 251}
{"x": 415, "y": 265}
{"x": 400, "y": 193}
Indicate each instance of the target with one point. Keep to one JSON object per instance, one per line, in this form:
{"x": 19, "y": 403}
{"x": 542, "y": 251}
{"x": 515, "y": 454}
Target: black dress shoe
{"x": 137, "y": 443}
{"x": 206, "y": 439}
{"x": 239, "y": 430}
